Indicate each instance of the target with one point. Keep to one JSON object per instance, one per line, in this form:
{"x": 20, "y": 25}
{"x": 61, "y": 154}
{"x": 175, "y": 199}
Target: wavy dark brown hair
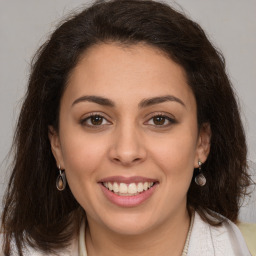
{"x": 35, "y": 212}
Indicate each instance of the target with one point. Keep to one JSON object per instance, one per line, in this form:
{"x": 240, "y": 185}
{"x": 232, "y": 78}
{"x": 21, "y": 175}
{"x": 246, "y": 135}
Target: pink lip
{"x": 128, "y": 201}
{"x": 127, "y": 180}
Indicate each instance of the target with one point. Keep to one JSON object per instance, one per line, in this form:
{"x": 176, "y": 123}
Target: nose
{"x": 127, "y": 147}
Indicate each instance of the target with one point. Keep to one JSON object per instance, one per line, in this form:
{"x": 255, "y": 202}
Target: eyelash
{"x": 92, "y": 115}
{"x": 171, "y": 120}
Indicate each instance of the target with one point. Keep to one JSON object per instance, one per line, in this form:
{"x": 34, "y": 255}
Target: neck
{"x": 166, "y": 239}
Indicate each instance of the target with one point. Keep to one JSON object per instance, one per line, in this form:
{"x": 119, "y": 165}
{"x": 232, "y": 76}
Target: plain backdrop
{"x": 24, "y": 26}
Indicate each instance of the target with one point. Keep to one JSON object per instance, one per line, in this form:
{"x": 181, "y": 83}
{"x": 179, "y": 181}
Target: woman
{"x": 129, "y": 141}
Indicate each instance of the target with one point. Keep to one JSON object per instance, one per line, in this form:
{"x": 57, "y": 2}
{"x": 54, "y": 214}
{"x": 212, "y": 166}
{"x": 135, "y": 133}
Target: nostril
{"x": 126, "y": 161}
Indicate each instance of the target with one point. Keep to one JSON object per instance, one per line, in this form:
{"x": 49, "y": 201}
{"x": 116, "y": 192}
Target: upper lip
{"x": 127, "y": 180}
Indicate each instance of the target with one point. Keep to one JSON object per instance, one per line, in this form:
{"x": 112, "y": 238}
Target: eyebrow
{"x": 143, "y": 104}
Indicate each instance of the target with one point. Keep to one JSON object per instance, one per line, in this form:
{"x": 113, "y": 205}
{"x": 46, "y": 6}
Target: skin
{"x": 130, "y": 142}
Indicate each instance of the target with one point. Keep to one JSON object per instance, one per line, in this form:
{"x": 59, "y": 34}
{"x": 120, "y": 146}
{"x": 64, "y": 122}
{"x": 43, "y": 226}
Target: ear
{"x": 56, "y": 147}
{"x": 203, "y": 144}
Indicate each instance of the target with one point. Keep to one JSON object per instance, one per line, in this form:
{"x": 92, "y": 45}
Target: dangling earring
{"x": 61, "y": 180}
{"x": 200, "y": 179}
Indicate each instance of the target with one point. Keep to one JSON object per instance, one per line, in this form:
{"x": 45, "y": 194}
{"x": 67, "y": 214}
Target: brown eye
{"x": 159, "y": 120}
{"x": 96, "y": 120}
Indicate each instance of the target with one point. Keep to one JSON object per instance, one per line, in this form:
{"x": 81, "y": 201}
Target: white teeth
{"x": 140, "y": 187}
{"x": 109, "y": 186}
{"x": 132, "y": 188}
{"x": 145, "y": 186}
{"x": 115, "y": 187}
{"x": 123, "y": 188}
{"x": 128, "y": 189}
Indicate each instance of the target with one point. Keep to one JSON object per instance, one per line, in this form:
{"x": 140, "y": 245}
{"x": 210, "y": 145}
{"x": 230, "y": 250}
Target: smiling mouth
{"x": 131, "y": 189}
{"x": 128, "y": 191}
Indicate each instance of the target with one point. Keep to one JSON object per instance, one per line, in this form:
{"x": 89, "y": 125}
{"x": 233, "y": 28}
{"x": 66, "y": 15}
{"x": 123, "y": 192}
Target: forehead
{"x": 116, "y": 71}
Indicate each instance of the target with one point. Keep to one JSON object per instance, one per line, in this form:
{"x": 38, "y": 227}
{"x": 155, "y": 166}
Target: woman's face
{"x": 128, "y": 137}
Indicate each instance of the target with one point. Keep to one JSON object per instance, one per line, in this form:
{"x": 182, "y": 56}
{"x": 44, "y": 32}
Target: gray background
{"x": 24, "y": 25}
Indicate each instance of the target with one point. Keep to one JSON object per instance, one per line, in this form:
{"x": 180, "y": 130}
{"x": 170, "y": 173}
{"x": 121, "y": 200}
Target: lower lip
{"x": 128, "y": 201}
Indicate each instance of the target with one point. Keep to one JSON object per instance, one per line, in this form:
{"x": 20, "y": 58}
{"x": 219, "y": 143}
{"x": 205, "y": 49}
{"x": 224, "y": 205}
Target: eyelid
{"x": 172, "y": 120}
{"x": 89, "y": 115}
{"x": 168, "y": 116}
{"x": 160, "y": 113}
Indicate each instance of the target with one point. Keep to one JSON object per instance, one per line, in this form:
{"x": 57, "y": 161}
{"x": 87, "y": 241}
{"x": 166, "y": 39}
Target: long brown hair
{"x": 35, "y": 212}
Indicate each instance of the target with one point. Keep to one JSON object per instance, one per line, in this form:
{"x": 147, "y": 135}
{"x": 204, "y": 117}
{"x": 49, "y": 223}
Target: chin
{"x": 130, "y": 224}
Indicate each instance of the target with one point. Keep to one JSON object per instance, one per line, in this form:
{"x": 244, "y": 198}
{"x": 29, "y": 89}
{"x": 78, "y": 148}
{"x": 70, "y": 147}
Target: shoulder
{"x": 208, "y": 240}
{"x": 72, "y": 250}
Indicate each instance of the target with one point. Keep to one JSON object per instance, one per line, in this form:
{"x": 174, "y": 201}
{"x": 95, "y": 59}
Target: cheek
{"x": 175, "y": 155}
{"x": 80, "y": 151}
{"x": 82, "y": 157}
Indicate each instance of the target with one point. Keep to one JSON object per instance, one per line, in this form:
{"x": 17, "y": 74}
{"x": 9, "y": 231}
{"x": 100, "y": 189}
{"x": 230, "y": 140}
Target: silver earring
{"x": 200, "y": 179}
{"x": 61, "y": 180}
